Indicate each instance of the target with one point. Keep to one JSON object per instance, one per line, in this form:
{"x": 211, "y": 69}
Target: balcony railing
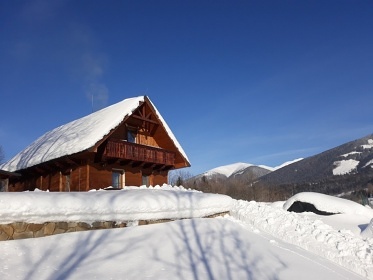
{"x": 136, "y": 152}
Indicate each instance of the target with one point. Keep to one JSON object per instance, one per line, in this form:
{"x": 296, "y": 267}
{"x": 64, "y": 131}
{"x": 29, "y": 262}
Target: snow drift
{"x": 124, "y": 205}
{"x": 330, "y": 204}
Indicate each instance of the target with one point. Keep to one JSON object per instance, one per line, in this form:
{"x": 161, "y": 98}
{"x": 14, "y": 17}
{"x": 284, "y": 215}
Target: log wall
{"x": 88, "y": 177}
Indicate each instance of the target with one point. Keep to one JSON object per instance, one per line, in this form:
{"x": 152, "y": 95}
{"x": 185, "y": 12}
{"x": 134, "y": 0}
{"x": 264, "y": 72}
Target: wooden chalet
{"x": 125, "y": 144}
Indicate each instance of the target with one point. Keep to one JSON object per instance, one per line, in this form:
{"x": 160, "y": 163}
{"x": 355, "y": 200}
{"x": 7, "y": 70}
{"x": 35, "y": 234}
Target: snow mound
{"x": 228, "y": 170}
{"x": 345, "y": 166}
{"x": 123, "y": 205}
{"x": 340, "y": 246}
{"x": 330, "y": 204}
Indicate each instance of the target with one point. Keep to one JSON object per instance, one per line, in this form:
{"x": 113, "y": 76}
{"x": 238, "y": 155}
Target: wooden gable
{"x": 150, "y": 132}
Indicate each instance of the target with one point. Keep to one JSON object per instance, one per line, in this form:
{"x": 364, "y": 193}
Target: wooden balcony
{"x": 140, "y": 153}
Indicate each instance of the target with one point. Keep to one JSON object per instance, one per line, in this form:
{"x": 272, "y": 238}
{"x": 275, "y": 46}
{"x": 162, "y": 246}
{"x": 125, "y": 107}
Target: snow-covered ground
{"x": 259, "y": 241}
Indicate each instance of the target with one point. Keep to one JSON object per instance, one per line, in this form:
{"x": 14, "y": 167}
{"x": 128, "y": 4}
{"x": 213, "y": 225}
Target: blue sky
{"x": 261, "y": 82}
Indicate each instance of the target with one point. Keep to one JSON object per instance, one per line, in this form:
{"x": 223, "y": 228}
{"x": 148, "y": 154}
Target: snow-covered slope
{"x": 286, "y": 163}
{"x": 346, "y": 166}
{"x": 240, "y": 167}
{"x": 353, "y": 159}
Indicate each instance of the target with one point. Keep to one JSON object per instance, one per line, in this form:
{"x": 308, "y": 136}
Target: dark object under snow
{"x": 299, "y": 207}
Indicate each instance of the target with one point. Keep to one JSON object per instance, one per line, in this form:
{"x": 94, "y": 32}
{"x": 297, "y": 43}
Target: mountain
{"x": 227, "y": 170}
{"x": 344, "y": 167}
{"x": 237, "y": 171}
{"x": 240, "y": 171}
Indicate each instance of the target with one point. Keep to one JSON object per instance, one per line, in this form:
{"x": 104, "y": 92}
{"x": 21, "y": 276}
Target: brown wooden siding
{"x": 78, "y": 179}
{"x": 16, "y": 187}
{"x": 160, "y": 178}
{"x": 99, "y": 177}
{"x": 132, "y": 178}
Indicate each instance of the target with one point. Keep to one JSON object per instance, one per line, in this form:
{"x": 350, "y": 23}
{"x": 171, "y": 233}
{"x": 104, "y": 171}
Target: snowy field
{"x": 258, "y": 241}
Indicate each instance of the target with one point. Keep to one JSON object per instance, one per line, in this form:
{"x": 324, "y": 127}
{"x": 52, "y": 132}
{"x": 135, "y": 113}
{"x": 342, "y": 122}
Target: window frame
{"x": 131, "y": 134}
{"x": 121, "y": 178}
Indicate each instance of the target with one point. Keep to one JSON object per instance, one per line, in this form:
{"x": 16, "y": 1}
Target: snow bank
{"x": 339, "y": 246}
{"x": 124, "y": 205}
{"x": 330, "y": 204}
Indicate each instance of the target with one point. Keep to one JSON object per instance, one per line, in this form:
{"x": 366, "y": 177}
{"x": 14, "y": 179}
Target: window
{"x": 131, "y": 135}
{"x": 67, "y": 182}
{"x": 117, "y": 178}
{"x": 3, "y": 185}
{"x": 145, "y": 180}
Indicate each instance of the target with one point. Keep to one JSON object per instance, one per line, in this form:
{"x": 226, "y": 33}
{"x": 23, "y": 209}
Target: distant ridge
{"x": 346, "y": 170}
{"x": 348, "y": 166}
{"x": 235, "y": 171}
{"x": 228, "y": 170}
{"x": 239, "y": 170}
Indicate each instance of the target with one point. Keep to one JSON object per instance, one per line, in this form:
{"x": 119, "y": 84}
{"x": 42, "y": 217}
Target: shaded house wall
{"x": 88, "y": 177}
{"x": 4, "y": 179}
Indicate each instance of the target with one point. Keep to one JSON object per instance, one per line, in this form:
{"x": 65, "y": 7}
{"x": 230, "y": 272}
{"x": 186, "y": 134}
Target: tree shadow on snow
{"x": 206, "y": 248}
{"x": 77, "y": 253}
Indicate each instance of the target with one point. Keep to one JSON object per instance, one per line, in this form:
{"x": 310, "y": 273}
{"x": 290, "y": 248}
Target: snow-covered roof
{"x": 80, "y": 135}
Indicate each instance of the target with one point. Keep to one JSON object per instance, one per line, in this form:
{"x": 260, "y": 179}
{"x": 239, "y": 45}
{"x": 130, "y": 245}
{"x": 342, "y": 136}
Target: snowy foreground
{"x": 258, "y": 240}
